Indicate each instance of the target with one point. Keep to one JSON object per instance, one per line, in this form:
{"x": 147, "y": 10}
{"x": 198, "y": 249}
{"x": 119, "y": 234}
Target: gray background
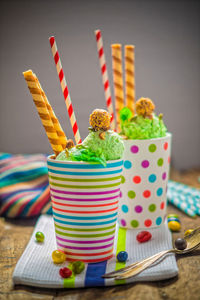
{"x": 167, "y": 39}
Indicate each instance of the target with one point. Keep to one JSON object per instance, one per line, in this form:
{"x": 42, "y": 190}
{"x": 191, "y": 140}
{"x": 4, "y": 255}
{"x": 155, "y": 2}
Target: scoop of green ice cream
{"x": 144, "y": 128}
{"x": 98, "y": 146}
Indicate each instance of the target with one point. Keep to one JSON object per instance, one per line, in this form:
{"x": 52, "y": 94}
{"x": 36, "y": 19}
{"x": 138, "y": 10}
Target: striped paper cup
{"x": 85, "y": 206}
{"x": 144, "y": 182}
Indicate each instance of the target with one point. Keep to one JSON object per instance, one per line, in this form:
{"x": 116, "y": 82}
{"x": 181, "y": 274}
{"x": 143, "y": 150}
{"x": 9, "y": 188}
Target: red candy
{"x": 65, "y": 272}
{"x": 143, "y": 236}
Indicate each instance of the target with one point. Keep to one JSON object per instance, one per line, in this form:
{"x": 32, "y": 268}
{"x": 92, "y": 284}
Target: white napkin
{"x": 35, "y": 267}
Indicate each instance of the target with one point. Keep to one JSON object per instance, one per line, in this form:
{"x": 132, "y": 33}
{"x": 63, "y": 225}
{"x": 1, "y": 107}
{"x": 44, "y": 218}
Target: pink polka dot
{"x": 146, "y": 194}
{"x": 123, "y": 222}
{"x": 147, "y": 222}
{"x": 166, "y": 146}
{"x": 145, "y": 163}
{"x": 120, "y": 194}
{"x": 162, "y": 205}
{"x": 136, "y": 179}
{"x": 138, "y": 209}
{"x": 164, "y": 175}
{"x": 134, "y": 149}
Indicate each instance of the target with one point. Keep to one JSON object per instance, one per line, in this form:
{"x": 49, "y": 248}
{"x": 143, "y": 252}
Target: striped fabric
{"x": 24, "y": 187}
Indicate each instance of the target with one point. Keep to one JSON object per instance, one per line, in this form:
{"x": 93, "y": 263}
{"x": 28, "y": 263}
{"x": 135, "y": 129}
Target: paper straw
{"x": 65, "y": 90}
{"x": 118, "y": 80}
{"x": 182, "y": 206}
{"x": 182, "y": 199}
{"x": 61, "y": 135}
{"x": 43, "y": 112}
{"x": 129, "y": 53}
{"x": 183, "y": 188}
{"x": 104, "y": 73}
{"x": 189, "y": 199}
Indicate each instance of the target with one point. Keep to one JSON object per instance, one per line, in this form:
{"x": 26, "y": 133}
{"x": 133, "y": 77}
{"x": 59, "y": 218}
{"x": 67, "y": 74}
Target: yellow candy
{"x": 58, "y": 257}
{"x": 174, "y": 225}
{"x": 187, "y": 232}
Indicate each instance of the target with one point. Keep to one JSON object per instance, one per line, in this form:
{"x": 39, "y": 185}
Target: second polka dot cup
{"x": 144, "y": 182}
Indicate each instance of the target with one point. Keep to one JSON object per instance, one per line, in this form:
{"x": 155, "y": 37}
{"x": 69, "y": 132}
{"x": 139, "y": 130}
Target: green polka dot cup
{"x": 144, "y": 182}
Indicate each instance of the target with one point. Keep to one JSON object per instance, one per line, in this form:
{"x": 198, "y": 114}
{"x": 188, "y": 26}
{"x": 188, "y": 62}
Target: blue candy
{"x": 173, "y": 219}
{"x": 122, "y": 256}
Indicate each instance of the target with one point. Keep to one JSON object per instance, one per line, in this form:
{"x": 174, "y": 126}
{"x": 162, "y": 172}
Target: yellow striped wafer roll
{"x": 129, "y": 54}
{"x": 43, "y": 111}
{"x": 117, "y": 80}
{"x": 56, "y": 123}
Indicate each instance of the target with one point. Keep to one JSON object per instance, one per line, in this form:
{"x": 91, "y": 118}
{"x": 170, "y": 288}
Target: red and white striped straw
{"x": 104, "y": 74}
{"x": 65, "y": 90}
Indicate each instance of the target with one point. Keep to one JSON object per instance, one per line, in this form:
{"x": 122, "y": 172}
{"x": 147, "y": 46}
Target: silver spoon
{"x": 193, "y": 242}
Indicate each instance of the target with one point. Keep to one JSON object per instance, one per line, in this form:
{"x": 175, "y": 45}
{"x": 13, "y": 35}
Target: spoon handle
{"x": 137, "y": 267}
{"x": 143, "y": 265}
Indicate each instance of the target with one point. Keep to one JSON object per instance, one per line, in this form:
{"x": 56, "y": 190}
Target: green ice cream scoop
{"x": 143, "y": 128}
{"x": 110, "y": 145}
{"x": 145, "y": 124}
{"x": 98, "y": 146}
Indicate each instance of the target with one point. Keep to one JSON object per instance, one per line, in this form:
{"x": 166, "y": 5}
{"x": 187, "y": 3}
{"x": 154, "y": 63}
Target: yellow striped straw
{"x": 43, "y": 111}
{"x": 117, "y": 80}
{"x": 129, "y": 54}
{"x": 56, "y": 123}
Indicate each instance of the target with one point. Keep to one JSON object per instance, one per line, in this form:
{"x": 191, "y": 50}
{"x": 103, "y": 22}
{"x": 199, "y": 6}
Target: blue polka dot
{"x": 124, "y": 208}
{"x": 158, "y": 221}
{"x": 152, "y": 178}
{"x": 127, "y": 164}
{"x": 159, "y": 192}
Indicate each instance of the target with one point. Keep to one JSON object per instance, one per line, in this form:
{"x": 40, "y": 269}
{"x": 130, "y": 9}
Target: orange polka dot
{"x": 169, "y": 159}
{"x": 165, "y": 146}
{"x": 147, "y": 222}
{"x": 162, "y": 205}
{"x": 137, "y": 179}
{"x": 146, "y": 194}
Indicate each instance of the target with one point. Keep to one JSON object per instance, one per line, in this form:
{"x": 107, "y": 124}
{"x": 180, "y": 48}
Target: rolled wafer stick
{"x": 56, "y": 123}
{"x": 43, "y": 112}
{"x": 105, "y": 79}
{"x": 118, "y": 80}
{"x": 129, "y": 54}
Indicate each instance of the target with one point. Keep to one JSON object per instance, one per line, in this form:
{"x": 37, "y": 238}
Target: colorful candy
{"x": 180, "y": 244}
{"x": 78, "y": 267}
{"x": 39, "y": 237}
{"x": 187, "y": 232}
{"x": 174, "y": 223}
{"x": 122, "y": 256}
{"x": 58, "y": 257}
{"x": 65, "y": 272}
{"x": 143, "y": 236}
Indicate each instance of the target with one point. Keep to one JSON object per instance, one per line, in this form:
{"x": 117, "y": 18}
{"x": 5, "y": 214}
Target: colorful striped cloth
{"x": 24, "y": 186}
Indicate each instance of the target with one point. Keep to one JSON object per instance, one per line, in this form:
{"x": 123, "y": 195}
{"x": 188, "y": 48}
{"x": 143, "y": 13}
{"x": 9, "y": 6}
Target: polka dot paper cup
{"x": 85, "y": 199}
{"x": 144, "y": 182}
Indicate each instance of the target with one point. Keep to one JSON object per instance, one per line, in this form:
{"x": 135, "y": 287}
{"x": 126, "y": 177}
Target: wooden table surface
{"x": 14, "y": 236}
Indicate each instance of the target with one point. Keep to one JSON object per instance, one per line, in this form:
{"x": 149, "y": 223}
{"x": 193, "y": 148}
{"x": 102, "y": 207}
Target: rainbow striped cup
{"x": 85, "y": 206}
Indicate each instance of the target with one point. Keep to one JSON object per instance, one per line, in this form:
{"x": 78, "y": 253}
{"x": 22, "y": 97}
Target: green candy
{"x": 125, "y": 114}
{"x": 173, "y": 216}
{"x": 39, "y": 237}
{"x": 78, "y": 267}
